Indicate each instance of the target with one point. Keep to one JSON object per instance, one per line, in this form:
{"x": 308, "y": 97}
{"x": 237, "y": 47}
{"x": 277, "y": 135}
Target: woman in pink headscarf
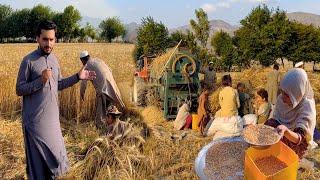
{"x": 295, "y": 111}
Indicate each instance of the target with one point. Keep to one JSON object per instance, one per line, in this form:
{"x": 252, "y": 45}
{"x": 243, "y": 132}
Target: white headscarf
{"x": 302, "y": 114}
{"x": 182, "y": 115}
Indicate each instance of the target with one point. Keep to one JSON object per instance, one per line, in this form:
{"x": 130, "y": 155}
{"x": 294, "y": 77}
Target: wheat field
{"x": 157, "y": 153}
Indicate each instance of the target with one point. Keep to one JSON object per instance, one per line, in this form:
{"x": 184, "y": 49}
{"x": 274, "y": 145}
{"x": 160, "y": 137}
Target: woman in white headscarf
{"x": 295, "y": 111}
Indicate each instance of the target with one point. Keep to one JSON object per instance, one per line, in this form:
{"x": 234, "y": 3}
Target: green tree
{"x": 5, "y": 12}
{"x": 201, "y": 27}
{"x": 37, "y": 14}
{"x": 71, "y": 17}
{"x": 276, "y": 36}
{"x": 67, "y": 23}
{"x": 111, "y": 28}
{"x": 90, "y": 31}
{"x": 305, "y": 43}
{"x": 250, "y": 39}
{"x": 152, "y": 38}
{"x": 198, "y": 37}
{"x": 224, "y": 48}
{"x": 18, "y": 21}
{"x": 175, "y": 38}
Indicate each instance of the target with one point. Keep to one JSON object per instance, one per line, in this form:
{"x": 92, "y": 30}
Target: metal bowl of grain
{"x": 222, "y": 159}
{"x": 260, "y": 135}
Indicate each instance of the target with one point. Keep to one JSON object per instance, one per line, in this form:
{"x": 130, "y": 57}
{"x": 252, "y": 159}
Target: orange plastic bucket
{"x": 195, "y": 122}
{"x": 280, "y": 151}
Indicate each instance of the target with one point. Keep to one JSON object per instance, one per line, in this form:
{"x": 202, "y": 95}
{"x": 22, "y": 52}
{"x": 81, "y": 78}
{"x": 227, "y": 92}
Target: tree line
{"x": 265, "y": 35}
{"x": 15, "y": 24}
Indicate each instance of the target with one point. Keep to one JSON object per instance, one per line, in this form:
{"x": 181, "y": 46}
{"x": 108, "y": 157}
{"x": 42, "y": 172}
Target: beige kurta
{"x": 229, "y": 102}
{"x": 273, "y": 80}
{"x": 106, "y": 89}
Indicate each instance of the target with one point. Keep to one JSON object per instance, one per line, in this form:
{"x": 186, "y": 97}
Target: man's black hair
{"x": 276, "y": 67}
{"x": 46, "y": 25}
{"x": 226, "y": 80}
{"x": 263, "y": 94}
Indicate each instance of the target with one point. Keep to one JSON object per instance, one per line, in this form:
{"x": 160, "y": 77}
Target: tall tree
{"x": 201, "y": 27}
{"x": 5, "y": 12}
{"x": 90, "y": 31}
{"x": 276, "y": 36}
{"x": 17, "y": 23}
{"x": 153, "y": 37}
{"x": 38, "y": 14}
{"x": 70, "y": 16}
{"x": 224, "y": 48}
{"x": 305, "y": 43}
{"x": 111, "y": 28}
{"x": 249, "y": 38}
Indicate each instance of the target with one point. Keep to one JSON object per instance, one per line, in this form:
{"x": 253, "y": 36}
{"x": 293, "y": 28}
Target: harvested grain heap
{"x": 261, "y": 135}
{"x": 225, "y": 160}
{"x": 270, "y": 165}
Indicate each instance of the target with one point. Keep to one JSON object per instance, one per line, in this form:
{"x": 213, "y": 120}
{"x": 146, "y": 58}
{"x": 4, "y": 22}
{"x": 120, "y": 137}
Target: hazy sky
{"x": 172, "y": 13}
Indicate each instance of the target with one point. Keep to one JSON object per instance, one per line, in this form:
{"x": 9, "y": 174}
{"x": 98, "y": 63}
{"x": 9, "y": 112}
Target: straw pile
{"x": 213, "y": 99}
{"x": 158, "y": 63}
{"x": 119, "y": 158}
{"x": 261, "y": 135}
{"x": 270, "y": 165}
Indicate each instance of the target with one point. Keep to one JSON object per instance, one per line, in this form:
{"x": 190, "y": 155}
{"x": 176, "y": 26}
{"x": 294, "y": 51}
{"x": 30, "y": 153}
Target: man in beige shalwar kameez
{"x": 273, "y": 80}
{"x": 107, "y": 91}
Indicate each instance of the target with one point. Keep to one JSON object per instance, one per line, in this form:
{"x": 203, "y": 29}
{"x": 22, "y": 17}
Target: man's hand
{"x": 46, "y": 74}
{"x": 86, "y": 75}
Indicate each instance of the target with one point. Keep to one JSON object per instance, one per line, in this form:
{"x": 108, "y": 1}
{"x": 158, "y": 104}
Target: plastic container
{"x": 195, "y": 122}
{"x": 279, "y": 150}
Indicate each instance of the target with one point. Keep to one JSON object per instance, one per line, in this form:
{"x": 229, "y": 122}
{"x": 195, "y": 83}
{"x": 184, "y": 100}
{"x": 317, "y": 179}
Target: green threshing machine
{"x": 177, "y": 82}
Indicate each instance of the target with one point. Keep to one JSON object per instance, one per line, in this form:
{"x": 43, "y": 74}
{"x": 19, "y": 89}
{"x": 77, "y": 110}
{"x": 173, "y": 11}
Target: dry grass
{"x": 12, "y": 156}
{"x": 165, "y": 154}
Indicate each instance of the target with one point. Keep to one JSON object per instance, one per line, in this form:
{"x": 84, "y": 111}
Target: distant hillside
{"x": 304, "y": 18}
{"x": 215, "y": 25}
{"x": 131, "y": 32}
{"x": 93, "y": 21}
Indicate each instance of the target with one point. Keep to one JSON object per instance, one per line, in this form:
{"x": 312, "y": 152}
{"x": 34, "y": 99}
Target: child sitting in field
{"x": 184, "y": 118}
{"x": 262, "y": 109}
{"x": 202, "y": 108}
{"x": 226, "y": 122}
{"x": 245, "y": 100}
{"x": 262, "y": 106}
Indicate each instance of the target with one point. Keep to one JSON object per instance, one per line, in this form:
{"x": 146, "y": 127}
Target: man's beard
{"x": 210, "y": 68}
{"x": 43, "y": 52}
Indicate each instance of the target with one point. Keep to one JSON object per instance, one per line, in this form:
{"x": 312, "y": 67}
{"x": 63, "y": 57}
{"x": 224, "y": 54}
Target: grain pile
{"x": 270, "y": 165}
{"x": 261, "y": 135}
{"x": 225, "y": 160}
